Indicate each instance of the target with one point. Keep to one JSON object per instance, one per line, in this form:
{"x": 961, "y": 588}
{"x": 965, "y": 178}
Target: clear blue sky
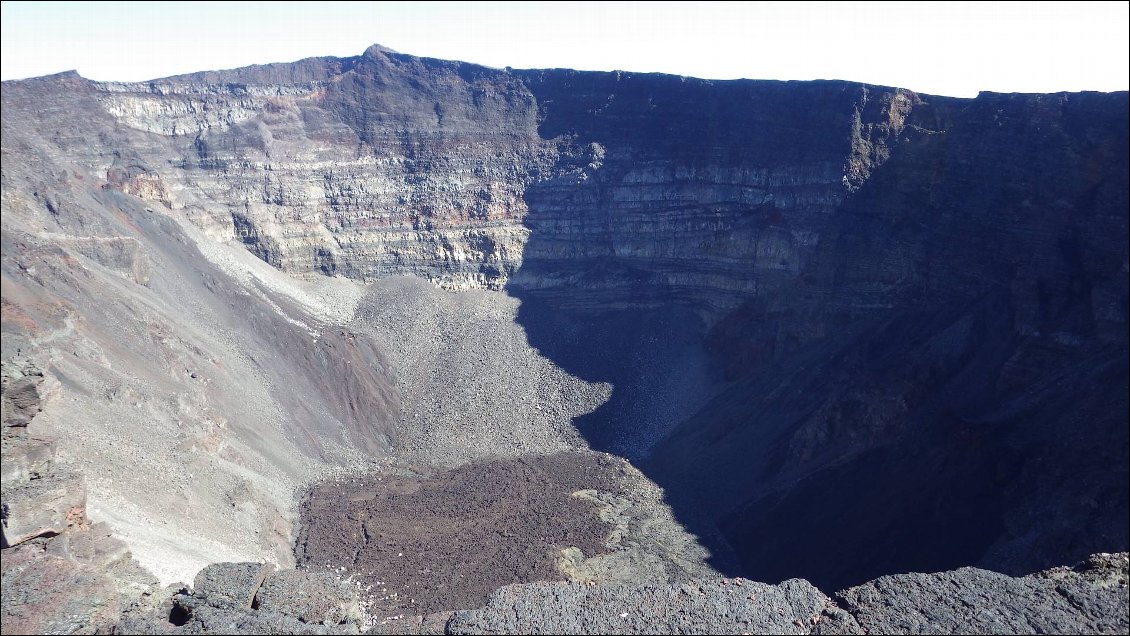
{"x": 941, "y": 48}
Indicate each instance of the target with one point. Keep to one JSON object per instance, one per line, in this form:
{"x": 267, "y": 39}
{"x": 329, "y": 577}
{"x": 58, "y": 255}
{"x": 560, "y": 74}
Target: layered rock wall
{"x": 616, "y": 184}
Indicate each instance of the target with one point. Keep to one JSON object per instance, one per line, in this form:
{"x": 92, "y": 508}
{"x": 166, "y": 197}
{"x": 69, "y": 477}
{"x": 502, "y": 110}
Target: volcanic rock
{"x": 703, "y": 607}
{"x": 46, "y": 594}
{"x": 43, "y": 507}
{"x": 1090, "y": 598}
{"x": 230, "y": 585}
{"x": 247, "y": 598}
{"x": 311, "y": 597}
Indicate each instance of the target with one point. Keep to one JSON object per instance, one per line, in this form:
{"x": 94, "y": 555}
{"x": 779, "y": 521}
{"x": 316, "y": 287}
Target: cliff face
{"x": 695, "y": 192}
{"x": 948, "y": 372}
{"x": 858, "y": 308}
{"x": 367, "y": 167}
{"x": 388, "y": 164}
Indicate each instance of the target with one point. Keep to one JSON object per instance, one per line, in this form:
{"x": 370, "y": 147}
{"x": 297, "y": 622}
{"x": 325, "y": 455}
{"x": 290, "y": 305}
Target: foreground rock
{"x": 25, "y": 389}
{"x": 250, "y": 598}
{"x": 715, "y": 607}
{"x": 45, "y": 594}
{"x": 42, "y": 507}
{"x": 54, "y": 595}
{"x": 311, "y": 597}
{"x": 230, "y": 585}
{"x": 1090, "y": 598}
{"x": 61, "y": 573}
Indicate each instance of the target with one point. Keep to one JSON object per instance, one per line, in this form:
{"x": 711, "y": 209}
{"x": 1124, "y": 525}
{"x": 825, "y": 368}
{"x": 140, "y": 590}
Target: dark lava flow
{"x": 425, "y": 543}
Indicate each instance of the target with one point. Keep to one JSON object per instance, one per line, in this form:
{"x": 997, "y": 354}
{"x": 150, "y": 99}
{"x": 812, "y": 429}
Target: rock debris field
{"x": 471, "y": 384}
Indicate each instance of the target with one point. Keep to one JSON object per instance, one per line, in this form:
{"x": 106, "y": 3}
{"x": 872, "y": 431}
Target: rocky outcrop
{"x": 46, "y": 594}
{"x": 77, "y": 582}
{"x": 318, "y": 598}
{"x": 230, "y": 585}
{"x": 25, "y": 389}
{"x": 44, "y": 506}
{"x": 1090, "y": 598}
{"x": 38, "y": 498}
{"x": 703, "y": 607}
{"x": 250, "y": 598}
{"x": 61, "y": 573}
{"x": 245, "y": 598}
{"x": 26, "y": 459}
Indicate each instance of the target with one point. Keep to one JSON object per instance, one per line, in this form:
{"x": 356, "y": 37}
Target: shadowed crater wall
{"x": 926, "y": 364}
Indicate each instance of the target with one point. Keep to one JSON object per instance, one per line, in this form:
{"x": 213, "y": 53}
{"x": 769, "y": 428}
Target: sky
{"x": 946, "y": 48}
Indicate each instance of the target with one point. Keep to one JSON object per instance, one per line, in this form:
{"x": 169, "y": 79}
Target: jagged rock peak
{"x": 378, "y": 50}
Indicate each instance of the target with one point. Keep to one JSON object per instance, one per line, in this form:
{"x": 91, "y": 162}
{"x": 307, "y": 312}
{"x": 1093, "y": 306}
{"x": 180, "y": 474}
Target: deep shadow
{"x": 653, "y": 358}
{"x": 932, "y": 389}
{"x": 636, "y": 351}
{"x": 179, "y": 615}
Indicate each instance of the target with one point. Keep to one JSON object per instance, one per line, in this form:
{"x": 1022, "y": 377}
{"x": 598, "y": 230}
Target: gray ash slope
{"x": 816, "y": 313}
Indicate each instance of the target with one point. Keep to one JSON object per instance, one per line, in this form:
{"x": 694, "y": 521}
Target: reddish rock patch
{"x": 420, "y": 544}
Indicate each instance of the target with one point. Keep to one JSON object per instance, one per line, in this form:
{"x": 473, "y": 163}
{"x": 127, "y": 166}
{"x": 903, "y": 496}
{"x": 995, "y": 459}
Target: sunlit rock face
{"x": 366, "y": 167}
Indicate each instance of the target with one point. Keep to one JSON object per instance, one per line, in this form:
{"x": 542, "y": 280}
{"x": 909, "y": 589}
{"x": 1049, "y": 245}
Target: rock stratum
{"x": 380, "y": 305}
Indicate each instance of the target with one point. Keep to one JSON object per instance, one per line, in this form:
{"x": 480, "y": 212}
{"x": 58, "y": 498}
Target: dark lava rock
{"x": 42, "y": 507}
{"x": 708, "y": 607}
{"x": 1088, "y": 599}
{"x": 310, "y": 597}
{"x": 247, "y": 598}
{"x": 230, "y": 585}
{"x": 211, "y": 620}
{"x": 423, "y": 544}
{"x": 431, "y": 624}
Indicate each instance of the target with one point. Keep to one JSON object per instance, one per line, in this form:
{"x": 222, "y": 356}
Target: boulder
{"x": 44, "y": 506}
{"x": 26, "y": 459}
{"x": 1090, "y": 598}
{"x": 46, "y": 594}
{"x": 23, "y": 390}
{"x": 725, "y": 606}
{"x": 310, "y": 597}
{"x": 230, "y": 585}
